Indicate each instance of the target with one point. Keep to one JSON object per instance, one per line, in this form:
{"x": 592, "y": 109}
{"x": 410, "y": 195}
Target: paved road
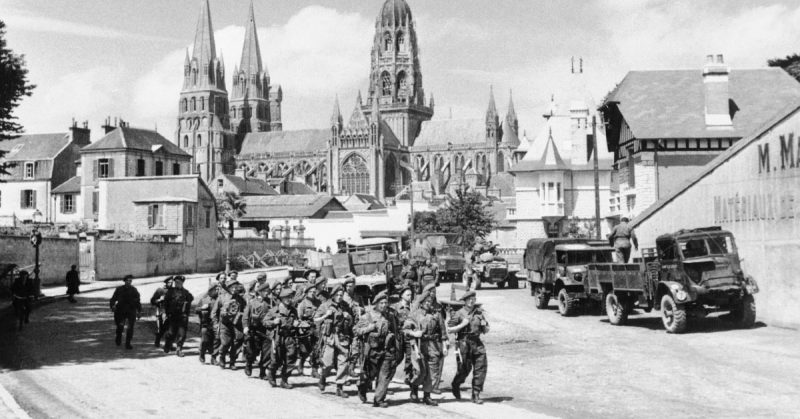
{"x": 66, "y": 365}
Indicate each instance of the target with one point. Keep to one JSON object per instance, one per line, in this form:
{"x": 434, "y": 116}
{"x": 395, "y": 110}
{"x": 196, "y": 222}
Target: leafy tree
{"x": 231, "y": 207}
{"x": 13, "y": 86}
{"x": 426, "y": 222}
{"x": 465, "y": 215}
{"x": 580, "y": 229}
{"x": 791, "y": 64}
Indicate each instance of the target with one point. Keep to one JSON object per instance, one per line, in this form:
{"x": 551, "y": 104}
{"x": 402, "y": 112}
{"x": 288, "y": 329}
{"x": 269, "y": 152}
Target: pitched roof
{"x": 34, "y": 146}
{"x": 509, "y": 136}
{"x": 134, "y": 139}
{"x": 550, "y": 159}
{"x": 250, "y": 186}
{"x": 671, "y": 103}
{"x": 298, "y": 188}
{"x": 288, "y": 206}
{"x": 306, "y": 140}
{"x": 455, "y": 131}
{"x": 251, "y": 53}
{"x": 72, "y": 185}
{"x": 362, "y": 202}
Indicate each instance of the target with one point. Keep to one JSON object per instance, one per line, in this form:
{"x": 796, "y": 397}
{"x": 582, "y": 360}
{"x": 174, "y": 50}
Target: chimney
{"x": 715, "y": 83}
{"x": 79, "y": 134}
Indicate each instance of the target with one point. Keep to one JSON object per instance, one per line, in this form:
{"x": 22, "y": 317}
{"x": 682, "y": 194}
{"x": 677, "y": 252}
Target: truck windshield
{"x": 706, "y": 245}
{"x": 588, "y": 256}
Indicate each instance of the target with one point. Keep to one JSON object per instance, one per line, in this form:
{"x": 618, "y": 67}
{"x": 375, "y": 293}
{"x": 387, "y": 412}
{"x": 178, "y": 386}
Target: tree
{"x": 13, "y": 86}
{"x": 580, "y": 229}
{"x": 465, "y": 215}
{"x": 231, "y": 207}
{"x": 425, "y": 222}
{"x": 790, "y": 64}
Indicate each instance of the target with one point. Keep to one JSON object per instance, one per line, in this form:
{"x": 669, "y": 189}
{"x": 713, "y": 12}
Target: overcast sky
{"x": 93, "y": 58}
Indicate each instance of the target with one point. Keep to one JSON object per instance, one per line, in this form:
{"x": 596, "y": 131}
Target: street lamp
{"x": 36, "y": 240}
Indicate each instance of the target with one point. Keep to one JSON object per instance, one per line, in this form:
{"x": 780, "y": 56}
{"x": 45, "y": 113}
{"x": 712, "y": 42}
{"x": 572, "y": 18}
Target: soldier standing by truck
{"x": 336, "y": 336}
{"x": 622, "y": 236}
{"x": 207, "y": 334}
{"x": 157, "y": 301}
{"x": 257, "y": 342}
{"x": 429, "y": 274}
{"x": 469, "y": 323}
{"x": 379, "y": 330}
{"x": 177, "y": 303}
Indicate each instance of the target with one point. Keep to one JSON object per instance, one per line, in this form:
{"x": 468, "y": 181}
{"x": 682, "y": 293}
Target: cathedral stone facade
{"x": 388, "y": 141}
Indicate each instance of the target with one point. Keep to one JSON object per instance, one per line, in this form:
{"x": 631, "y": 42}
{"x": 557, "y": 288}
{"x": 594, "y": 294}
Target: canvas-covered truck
{"x": 557, "y": 268}
{"x": 443, "y": 250}
{"x": 690, "y": 273}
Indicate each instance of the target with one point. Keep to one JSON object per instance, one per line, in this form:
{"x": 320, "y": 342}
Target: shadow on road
{"x": 73, "y": 334}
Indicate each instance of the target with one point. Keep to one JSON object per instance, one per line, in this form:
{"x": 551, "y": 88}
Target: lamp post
{"x": 36, "y": 240}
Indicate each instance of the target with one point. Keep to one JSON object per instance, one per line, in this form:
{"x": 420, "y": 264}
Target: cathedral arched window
{"x": 355, "y": 175}
{"x": 202, "y": 103}
{"x": 199, "y": 140}
{"x": 205, "y": 69}
{"x": 233, "y": 112}
{"x": 401, "y": 41}
{"x": 402, "y": 85}
{"x": 387, "y": 41}
{"x": 194, "y": 104}
{"x": 500, "y": 162}
{"x": 185, "y": 141}
{"x": 386, "y": 84}
{"x": 184, "y": 105}
{"x": 194, "y": 76}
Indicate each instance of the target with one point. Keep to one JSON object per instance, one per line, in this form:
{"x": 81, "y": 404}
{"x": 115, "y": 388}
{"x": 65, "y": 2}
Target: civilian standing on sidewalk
{"x": 73, "y": 284}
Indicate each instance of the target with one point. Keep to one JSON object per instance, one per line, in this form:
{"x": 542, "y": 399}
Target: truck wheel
{"x": 542, "y": 298}
{"x": 501, "y": 284}
{"x": 567, "y": 306}
{"x": 513, "y": 282}
{"x": 745, "y": 314}
{"x": 672, "y": 315}
{"x": 616, "y": 311}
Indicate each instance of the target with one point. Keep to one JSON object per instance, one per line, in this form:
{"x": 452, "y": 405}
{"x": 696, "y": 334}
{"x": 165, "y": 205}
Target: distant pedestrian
{"x": 177, "y": 304}
{"x": 127, "y": 308}
{"x": 23, "y": 292}
{"x": 73, "y": 284}
{"x": 622, "y": 236}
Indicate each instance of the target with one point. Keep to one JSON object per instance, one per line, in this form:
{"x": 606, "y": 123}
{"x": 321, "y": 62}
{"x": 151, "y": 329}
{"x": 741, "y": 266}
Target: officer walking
{"x": 469, "y": 323}
{"x": 439, "y": 347}
{"x": 284, "y": 329}
{"x": 207, "y": 334}
{"x": 127, "y": 307}
{"x": 157, "y": 301}
{"x": 257, "y": 342}
{"x": 336, "y": 335}
{"x": 177, "y": 303}
{"x": 228, "y": 311}
{"x": 423, "y": 329}
{"x": 378, "y": 329}
{"x": 622, "y": 236}
{"x": 307, "y": 331}
{"x": 401, "y": 311}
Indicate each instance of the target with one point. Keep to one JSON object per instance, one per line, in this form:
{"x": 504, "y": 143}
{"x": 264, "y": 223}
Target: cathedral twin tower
{"x": 210, "y": 127}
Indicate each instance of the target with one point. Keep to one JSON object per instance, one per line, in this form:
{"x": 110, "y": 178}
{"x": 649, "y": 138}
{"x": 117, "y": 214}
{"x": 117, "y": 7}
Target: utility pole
{"x": 596, "y": 180}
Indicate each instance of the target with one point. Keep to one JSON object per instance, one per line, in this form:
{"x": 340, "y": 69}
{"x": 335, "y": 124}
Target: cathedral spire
{"x": 336, "y": 117}
{"x": 491, "y": 111}
{"x": 251, "y": 53}
{"x": 511, "y": 116}
{"x": 204, "y": 50}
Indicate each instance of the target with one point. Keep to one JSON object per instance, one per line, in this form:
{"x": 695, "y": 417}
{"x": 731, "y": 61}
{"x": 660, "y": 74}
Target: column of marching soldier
{"x": 279, "y": 329}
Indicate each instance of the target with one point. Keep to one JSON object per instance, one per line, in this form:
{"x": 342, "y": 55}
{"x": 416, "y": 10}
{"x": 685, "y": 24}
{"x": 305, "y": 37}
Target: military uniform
{"x": 126, "y": 305}
{"x": 284, "y": 336}
{"x": 23, "y": 292}
{"x": 430, "y": 348}
{"x": 408, "y": 278}
{"x": 207, "y": 334}
{"x": 428, "y": 276}
{"x": 307, "y": 334}
{"x": 470, "y": 348}
{"x": 379, "y": 331}
{"x": 336, "y": 335}
{"x": 229, "y": 310}
{"x": 401, "y": 311}
{"x": 157, "y": 301}
{"x": 177, "y": 304}
{"x": 258, "y": 343}
{"x": 622, "y": 236}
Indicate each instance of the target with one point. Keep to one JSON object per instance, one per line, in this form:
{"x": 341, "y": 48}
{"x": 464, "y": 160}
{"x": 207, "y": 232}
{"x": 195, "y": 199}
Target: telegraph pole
{"x": 596, "y": 180}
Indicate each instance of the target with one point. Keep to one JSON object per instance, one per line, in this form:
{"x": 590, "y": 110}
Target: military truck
{"x": 557, "y": 267}
{"x": 443, "y": 250}
{"x": 690, "y": 273}
{"x": 486, "y": 266}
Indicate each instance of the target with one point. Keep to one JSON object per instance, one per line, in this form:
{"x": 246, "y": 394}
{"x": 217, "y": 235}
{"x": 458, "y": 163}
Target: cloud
{"x": 63, "y": 27}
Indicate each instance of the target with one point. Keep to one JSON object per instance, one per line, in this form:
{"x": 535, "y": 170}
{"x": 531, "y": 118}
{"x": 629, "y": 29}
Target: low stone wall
{"x": 115, "y": 259}
{"x": 56, "y": 255}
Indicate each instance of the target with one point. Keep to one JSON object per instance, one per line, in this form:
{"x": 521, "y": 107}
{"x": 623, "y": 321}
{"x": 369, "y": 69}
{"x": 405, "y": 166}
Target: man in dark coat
{"x": 469, "y": 323}
{"x": 127, "y": 307}
{"x": 23, "y": 292}
{"x": 257, "y": 341}
{"x": 177, "y": 303}
{"x": 284, "y": 329}
{"x": 622, "y": 237}
{"x": 207, "y": 331}
{"x": 157, "y": 301}
{"x": 378, "y": 329}
{"x": 73, "y": 284}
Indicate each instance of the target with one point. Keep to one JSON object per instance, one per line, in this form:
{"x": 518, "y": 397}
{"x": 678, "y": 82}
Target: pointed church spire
{"x": 511, "y": 116}
{"x": 204, "y": 50}
{"x": 491, "y": 112}
{"x": 186, "y": 61}
{"x": 251, "y": 53}
{"x": 336, "y": 117}
{"x": 359, "y": 101}
{"x": 376, "y": 112}
{"x": 431, "y": 103}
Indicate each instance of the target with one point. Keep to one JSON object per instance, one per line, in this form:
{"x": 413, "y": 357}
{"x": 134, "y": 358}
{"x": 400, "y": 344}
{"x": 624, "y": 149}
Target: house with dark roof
{"x": 42, "y": 162}
{"x": 665, "y": 126}
{"x": 127, "y": 152}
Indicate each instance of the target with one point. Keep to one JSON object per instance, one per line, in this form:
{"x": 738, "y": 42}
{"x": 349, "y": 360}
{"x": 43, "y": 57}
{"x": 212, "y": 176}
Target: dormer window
{"x": 30, "y": 170}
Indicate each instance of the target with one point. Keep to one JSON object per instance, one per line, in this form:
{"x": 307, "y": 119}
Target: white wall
{"x": 10, "y": 200}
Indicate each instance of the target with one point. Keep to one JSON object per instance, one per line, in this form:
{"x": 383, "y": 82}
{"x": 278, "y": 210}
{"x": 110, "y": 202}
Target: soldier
{"x": 322, "y": 292}
{"x": 469, "y": 323}
{"x": 157, "y": 301}
{"x": 336, "y": 335}
{"x": 229, "y": 311}
{"x": 284, "y": 328}
{"x": 207, "y": 335}
{"x": 423, "y": 329}
{"x": 622, "y": 236}
{"x": 350, "y": 296}
{"x": 233, "y": 276}
{"x": 127, "y": 307}
{"x": 378, "y": 329}
{"x": 408, "y": 276}
{"x": 178, "y": 303}
{"x": 261, "y": 279}
{"x": 442, "y": 347}
{"x": 401, "y": 311}
{"x": 307, "y": 331}
{"x": 23, "y": 291}
{"x": 257, "y": 341}
{"x": 429, "y": 274}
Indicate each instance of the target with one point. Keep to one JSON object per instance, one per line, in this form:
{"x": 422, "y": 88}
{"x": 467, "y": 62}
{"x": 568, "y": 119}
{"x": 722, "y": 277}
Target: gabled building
{"x": 42, "y": 163}
{"x": 241, "y": 186}
{"x": 665, "y": 126}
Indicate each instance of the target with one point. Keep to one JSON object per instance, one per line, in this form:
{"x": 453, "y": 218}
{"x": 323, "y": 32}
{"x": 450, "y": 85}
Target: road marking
{"x": 11, "y": 404}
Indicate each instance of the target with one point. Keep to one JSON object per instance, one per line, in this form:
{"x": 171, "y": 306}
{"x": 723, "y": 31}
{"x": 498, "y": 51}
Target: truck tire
{"x": 567, "y": 306}
{"x": 513, "y": 282}
{"x": 542, "y": 298}
{"x": 616, "y": 310}
{"x": 745, "y": 314}
{"x": 672, "y": 315}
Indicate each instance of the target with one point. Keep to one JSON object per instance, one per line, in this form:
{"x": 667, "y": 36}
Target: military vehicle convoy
{"x": 486, "y": 266}
{"x": 443, "y": 250}
{"x": 690, "y": 273}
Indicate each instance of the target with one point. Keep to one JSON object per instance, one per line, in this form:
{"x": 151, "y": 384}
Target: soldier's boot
{"x": 213, "y": 360}
{"x": 202, "y": 358}
{"x": 262, "y": 374}
{"x": 382, "y": 404}
{"x": 248, "y": 369}
{"x": 299, "y": 367}
{"x": 476, "y": 397}
{"x": 321, "y": 384}
{"x": 222, "y": 361}
{"x": 362, "y": 393}
{"x": 426, "y": 399}
{"x": 285, "y": 384}
{"x": 128, "y": 344}
{"x": 314, "y": 372}
{"x": 456, "y": 390}
{"x": 271, "y": 379}
{"x": 118, "y": 340}
{"x": 340, "y": 391}
{"x": 180, "y": 351}
{"x": 414, "y": 395}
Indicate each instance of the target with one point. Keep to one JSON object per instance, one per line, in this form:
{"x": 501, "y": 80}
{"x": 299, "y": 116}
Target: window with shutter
{"x": 95, "y": 202}
{"x": 110, "y": 168}
{"x": 95, "y": 169}
{"x": 62, "y": 206}
{"x": 150, "y": 216}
